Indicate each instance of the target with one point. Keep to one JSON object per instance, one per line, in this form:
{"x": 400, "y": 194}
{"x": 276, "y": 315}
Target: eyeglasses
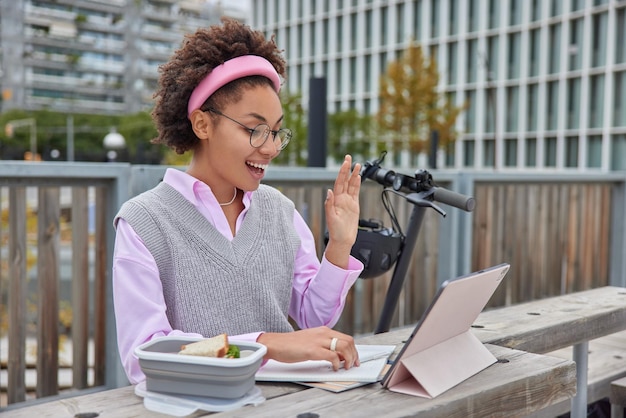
{"x": 260, "y": 133}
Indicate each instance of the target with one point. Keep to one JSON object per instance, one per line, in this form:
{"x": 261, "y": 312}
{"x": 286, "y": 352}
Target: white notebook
{"x": 373, "y": 360}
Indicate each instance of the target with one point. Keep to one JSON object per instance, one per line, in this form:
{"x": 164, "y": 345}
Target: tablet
{"x": 442, "y": 351}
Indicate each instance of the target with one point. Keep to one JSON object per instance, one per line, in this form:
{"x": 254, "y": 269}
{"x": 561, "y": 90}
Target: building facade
{"x": 92, "y": 56}
{"x": 544, "y": 81}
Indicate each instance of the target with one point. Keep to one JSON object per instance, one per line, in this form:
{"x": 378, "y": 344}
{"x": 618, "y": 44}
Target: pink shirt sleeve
{"x": 319, "y": 289}
{"x": 318, "y": 294}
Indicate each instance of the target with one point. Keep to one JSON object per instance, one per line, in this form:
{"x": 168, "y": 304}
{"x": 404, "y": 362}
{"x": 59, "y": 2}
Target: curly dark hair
{"x": 199, "y": 54}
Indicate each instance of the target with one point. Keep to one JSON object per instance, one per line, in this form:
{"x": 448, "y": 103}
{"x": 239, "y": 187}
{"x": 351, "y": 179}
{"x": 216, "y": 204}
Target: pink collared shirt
{"x": 318, "y": 294}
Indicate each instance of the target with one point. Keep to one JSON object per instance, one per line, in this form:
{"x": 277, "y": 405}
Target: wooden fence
{"x": 560, "y": 233}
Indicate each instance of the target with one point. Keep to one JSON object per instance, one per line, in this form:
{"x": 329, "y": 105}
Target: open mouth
{"x": 257, "y": 168}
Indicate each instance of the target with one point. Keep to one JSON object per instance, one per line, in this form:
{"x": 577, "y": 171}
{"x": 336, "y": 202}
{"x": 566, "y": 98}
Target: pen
{"x": 366, "y": 358}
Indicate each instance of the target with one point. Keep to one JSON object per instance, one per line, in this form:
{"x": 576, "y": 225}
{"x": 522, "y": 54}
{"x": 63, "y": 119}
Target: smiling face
{"x": 224, "y": 157}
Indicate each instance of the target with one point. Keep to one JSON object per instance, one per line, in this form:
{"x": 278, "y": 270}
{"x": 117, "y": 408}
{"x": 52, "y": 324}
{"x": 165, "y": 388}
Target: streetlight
{"x": 113, "y": 141}
{"x": 10, "y": 127}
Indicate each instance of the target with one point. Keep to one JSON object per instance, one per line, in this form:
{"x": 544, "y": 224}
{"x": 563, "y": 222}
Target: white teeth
{"x": 255, "y": 165}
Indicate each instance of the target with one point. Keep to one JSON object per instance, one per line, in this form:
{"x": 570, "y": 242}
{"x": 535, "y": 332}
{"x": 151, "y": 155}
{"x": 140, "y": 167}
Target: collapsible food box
{"x": 169, "y": 372}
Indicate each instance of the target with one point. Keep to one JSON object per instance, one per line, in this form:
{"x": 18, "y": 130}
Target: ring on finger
{"x": 333, "y": 344}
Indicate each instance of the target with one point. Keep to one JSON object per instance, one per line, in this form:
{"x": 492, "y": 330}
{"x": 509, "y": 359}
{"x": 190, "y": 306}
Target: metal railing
{"x": 56, "y": 242}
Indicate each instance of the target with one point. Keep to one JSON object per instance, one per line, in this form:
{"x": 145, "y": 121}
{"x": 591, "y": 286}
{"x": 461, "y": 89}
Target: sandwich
{"x": 217, "y": 346}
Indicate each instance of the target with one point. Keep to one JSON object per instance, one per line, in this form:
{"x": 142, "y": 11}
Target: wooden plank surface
{"x": 48, "y": 218}
{"x": 517, "y": 384}
{"x": 17, "y": 311}
{"x": 605, "y": 364}
{"x": 80, "y": 287}
{"x": 550, "y": 324}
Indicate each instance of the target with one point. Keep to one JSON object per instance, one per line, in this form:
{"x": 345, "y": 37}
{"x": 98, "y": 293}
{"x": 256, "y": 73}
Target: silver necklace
{"x": 231, "y": 200}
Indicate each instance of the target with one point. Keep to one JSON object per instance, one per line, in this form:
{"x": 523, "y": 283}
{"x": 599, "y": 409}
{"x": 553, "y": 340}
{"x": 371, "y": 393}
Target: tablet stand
{"x": 434, "y": 370}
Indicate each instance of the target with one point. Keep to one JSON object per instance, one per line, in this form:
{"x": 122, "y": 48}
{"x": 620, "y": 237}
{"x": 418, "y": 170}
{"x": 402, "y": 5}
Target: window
{"x": 354, "y": 31}
{"x": 383, "y": 63}
{"x": 514, "y": 53}
{"x": 531, "y": 152}
{"x": 494, "y": 13}
{"x": 536, "y": 10}
{"x": 510, "y": 152}
{"x": 549, "y": 152}
{"x": 620, "y": 35}
{"x": 571, "y": 151}
{"x": 353, "y": 80}
{"x": 300, "y": 41}
{"x": 553, "y": 105}
{"x": 598, "y": 39}
{"x": 452, "y": 63}
{"x": 555, "y": 48}
{"x": 575, "y": 47}
{"x": 533, "y": 53}
{"x": 489, "y": 154}
{"x": 473, "y": 15}
{"x": 383, "y": 24}
{"x": 472, "y": 59}
{"x": 573, "y": 103}
{"x": 618, "y": 150}
{"x": 367, "y": 74}
{"x": 556, "y": 7}
{"x": 312, "y": 39}
{"x": 338, "y": 77}
{"x": 417, "y": 14}
{"x": 596, "y": 101}
{"x": 594, "y": 151}
{"x": 368, "y": 33}
{"x": 399, "y": 22}
{"x": 532, "y": 103}
{"x": 453, "y": 17}
{"x": 491, "y": 110}
{"x": 469, "y": 147}
{"x": 450, "y": 155}
{"x": 619, "y": 105}
{"x": 434, "y": 19}
{"x": 470, "y": 112}
{"x": 325, "y": 33}
{"x": 512, "y": 108}
{"x": 339, "y": 35}
{"x": 492, "y": 58}
{"x": 577, "y": 5}
{"x": 515, "y": 12}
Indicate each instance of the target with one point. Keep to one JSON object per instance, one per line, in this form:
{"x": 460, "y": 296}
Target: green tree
{"x": 411, "y": 107}
{"x": 138, "y": 130}
{"x": 295, "y": 119}
{"x": 349, "y": 133}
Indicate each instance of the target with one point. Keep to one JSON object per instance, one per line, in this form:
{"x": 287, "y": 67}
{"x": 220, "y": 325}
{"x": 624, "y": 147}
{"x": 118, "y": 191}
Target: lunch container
{"x": 169, "y": 372}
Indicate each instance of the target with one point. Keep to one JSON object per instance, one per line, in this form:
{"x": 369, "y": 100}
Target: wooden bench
{"x": 586, "y": 321}
{"x": 618, "y": 398}
{"x": 606, "y": 363}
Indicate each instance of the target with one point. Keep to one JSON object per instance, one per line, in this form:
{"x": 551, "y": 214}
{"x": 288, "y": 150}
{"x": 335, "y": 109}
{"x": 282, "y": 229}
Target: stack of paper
{"x": 319, "y": 373}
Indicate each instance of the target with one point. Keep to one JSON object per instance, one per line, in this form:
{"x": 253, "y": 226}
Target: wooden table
{"x": 518, "y": 384}
{"x": 553, "y": 323}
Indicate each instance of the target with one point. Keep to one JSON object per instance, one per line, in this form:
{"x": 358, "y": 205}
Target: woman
{"x": 211, "y": 250}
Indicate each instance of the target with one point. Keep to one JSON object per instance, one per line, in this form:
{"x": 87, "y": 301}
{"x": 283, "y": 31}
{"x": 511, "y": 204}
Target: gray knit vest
{"x": 212, "y": 285}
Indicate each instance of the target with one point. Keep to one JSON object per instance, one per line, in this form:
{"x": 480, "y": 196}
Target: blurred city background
{"x": 514, "y": 84}
{"x": 519, "y": 103}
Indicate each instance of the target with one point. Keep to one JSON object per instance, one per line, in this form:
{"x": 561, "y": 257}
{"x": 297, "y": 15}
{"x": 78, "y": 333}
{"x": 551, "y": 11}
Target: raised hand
{"x": 342, "y": 213}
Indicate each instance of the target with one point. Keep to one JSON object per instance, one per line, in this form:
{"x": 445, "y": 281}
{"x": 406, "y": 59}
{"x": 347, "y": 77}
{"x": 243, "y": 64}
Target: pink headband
{"x": 230, "y": 70}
